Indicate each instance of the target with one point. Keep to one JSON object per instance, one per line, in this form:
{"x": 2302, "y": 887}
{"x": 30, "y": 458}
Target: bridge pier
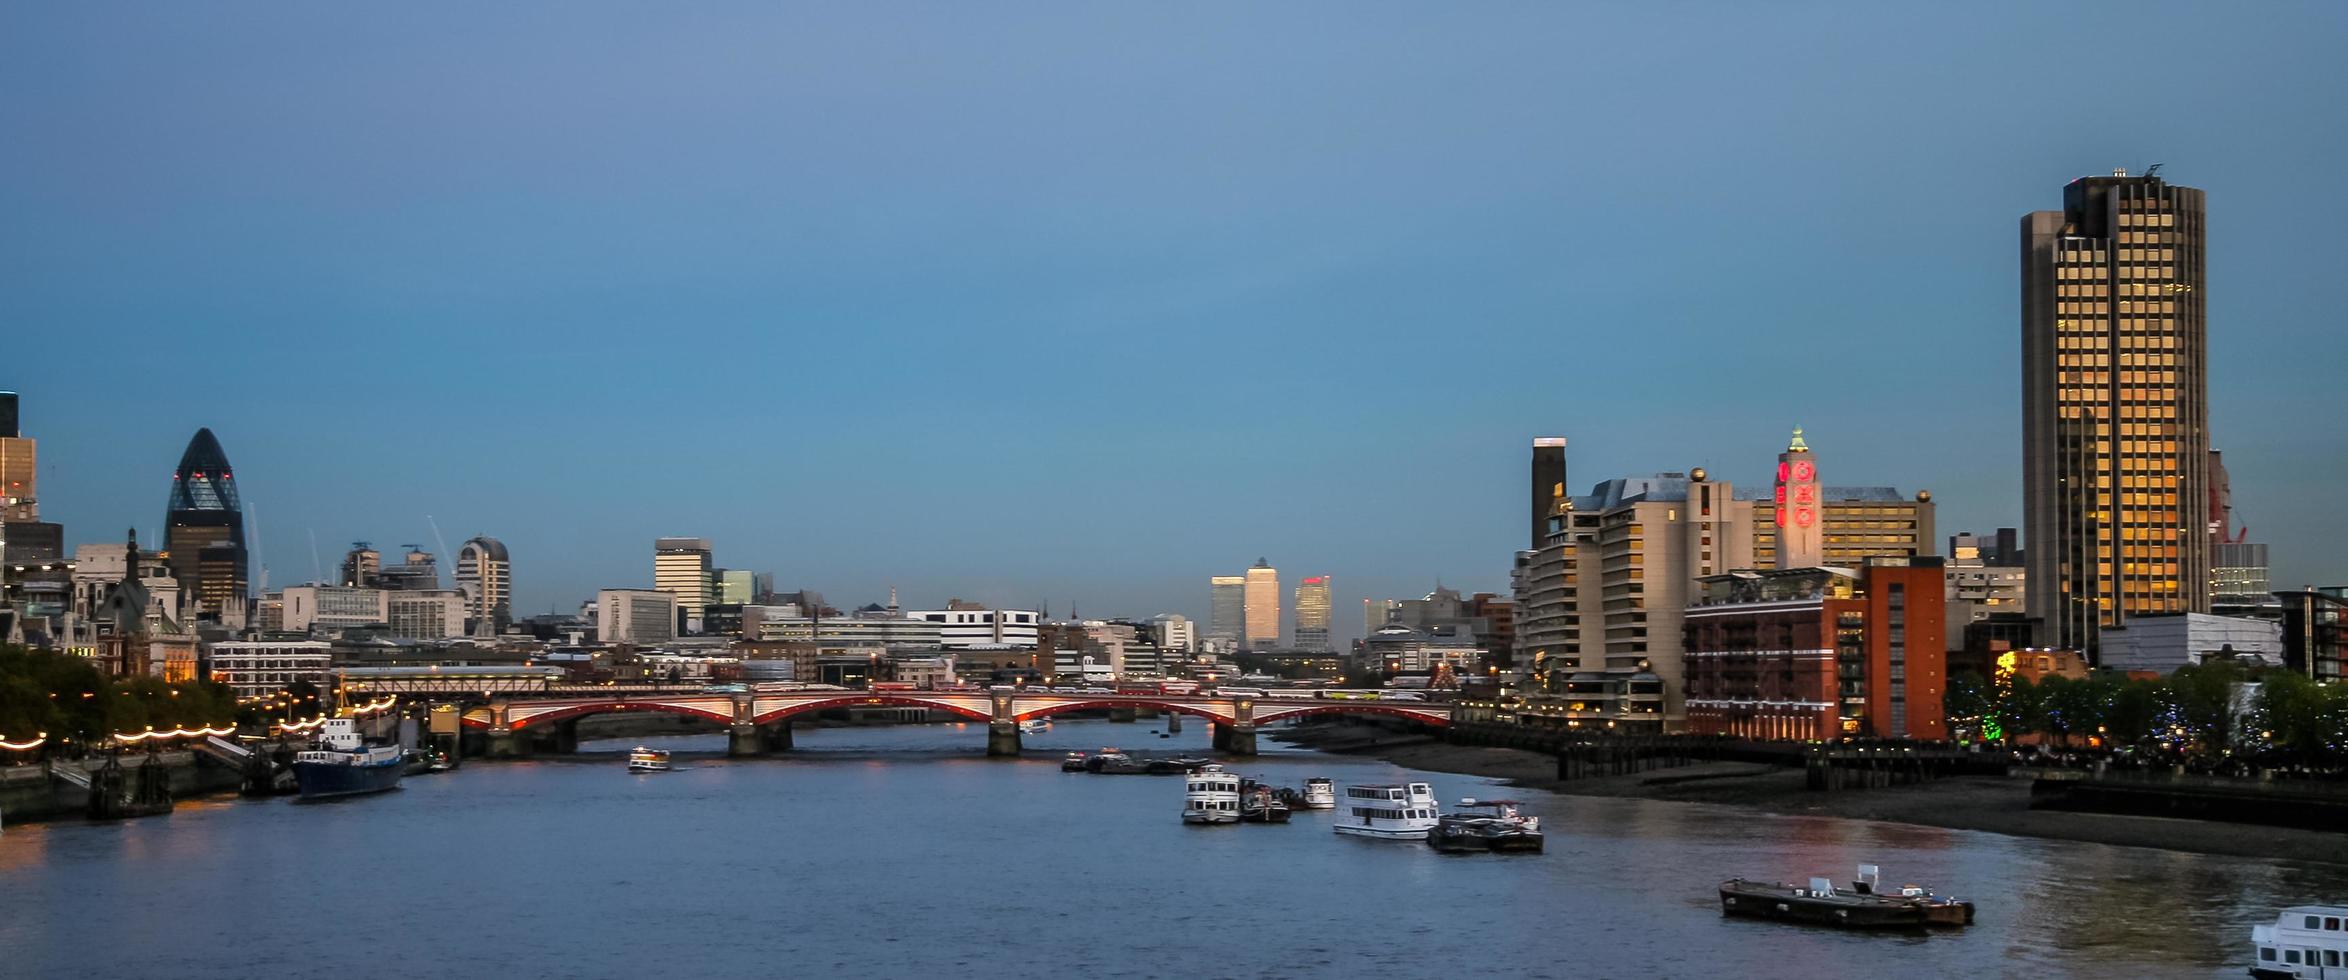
{"x": 1173, "y": 723}
{"x": 1002, "y": 740}
{"x": 743, "y": 741}
{"x": 1125, "y": 715}
{"x": 506, "y": 743}
{"x": 776, "y": 737}
{"x": 1235, "y": 739}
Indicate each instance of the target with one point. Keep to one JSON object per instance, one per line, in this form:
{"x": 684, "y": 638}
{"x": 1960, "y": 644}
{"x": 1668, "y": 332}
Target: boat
{"x": 1262, "y": 804}
{"x": 1034, "y": 726}
{"x": 1319, "y": 794}
{"x": 2305, "y": 941}
{"x": 1112, "y": 761}
{"x": 1211, "y": 796}
{"x": 1072, "y": 762}
{"x": 341, "y": 763}
{"x": 1486, "y": 825}
{"x": 641, "y": 759}
{"x": 1862, "y": 906}
{"x": 1388, "y": 812}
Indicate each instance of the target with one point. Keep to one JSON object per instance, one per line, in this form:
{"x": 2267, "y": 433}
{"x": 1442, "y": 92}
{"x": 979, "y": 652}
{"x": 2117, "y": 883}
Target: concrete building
{"x": 641, "y": 617}
{"x": 254, "y": 668}
{"x": 1984, "y": 578}
{"x": 1226, "y": 611}
{"x": 2165, "y": 643}
{"x": 1818, "y": 653}
{"x": 1396, "y": 648}
{"x": 2238, "y": 582}
{"x": 1600, "y": 603}
{"x": 1263, "y": 607}
{"x": 321, "y": 609}
{"x": 485, "y": 574}
{"x": 1376, "y": 613}
{"x": 783, "y": 623}
{"x": 361, "y": 566}
{"x": 418, "y": 571}
{"x": 966, "y": 626}
{"x": 1312, "y": 614}
{"x": 1174, "y": 633}
{"x": 682, "y": 567}
{"x": 2115, "y": 408}
{"x": 425, "y": 614}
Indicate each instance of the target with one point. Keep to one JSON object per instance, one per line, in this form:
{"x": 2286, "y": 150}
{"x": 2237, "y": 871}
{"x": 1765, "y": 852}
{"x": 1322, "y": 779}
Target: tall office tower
{"x": 1312, "y": 613}
{"x": 204, "y": 530}
{"x": 2115, "y": 408}
{"x": 361, "y": 566}
{"x": 1548, "y": 484}
{"x": 1226, "y": 611}
{"x": 19, "y": 495}
{"x": 1263, "y": 606}
{"x": 1801, "y": 539}
{"x": 681, "y": 567}
{"x": 486, "y": 576}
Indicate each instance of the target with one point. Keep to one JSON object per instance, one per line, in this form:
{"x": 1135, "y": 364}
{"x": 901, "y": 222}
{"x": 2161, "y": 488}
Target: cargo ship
{"x": 341, "y": 763}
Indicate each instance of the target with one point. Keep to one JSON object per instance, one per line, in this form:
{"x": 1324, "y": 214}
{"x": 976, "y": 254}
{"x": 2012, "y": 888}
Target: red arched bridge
{"x": 760, "y": 722}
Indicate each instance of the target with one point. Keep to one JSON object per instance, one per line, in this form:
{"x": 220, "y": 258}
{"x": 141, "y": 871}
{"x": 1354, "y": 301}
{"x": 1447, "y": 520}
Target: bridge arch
{"x": 1271, "y": 711}
{"x": 869, "y": 701}
{"x": 1048, "y": 710}
{"x": 524, "y": 715}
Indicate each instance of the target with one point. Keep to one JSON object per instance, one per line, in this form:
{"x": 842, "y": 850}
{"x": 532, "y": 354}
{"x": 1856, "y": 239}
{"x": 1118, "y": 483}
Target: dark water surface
{"x": 904, "y": 852}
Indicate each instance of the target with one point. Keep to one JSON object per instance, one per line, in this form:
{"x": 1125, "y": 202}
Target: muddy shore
{"x": 1986, "y": 803}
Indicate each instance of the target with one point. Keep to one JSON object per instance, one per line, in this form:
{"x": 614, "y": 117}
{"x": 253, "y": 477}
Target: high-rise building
{"x": 1174, "y": 633}
{"x": 1376, "y": 613}
{"x": 486, "y": 576}
{"x": 418, "y": 571}
{"x": 735, "y": 587}
{"x": 1312, "y": 613}
{"x": 204, "y": 530}
{"x": 361, "y": 566}
{"x": 19, "y": 494}
{"x": 2115, "y": 408}
{"x": 1226, "y": 611}
{"x": 682, "y": 567}
{"x": 1263, "y": 607}
{"x": 1548, "y": 485}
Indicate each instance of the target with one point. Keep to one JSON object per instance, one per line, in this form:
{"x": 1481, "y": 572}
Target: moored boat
{"x": 343, "y": 764}
{"x": 1320, "y": 794}
{"x": 1388, "y": 811}
{"x": 1862, "y": 906}
{"x": 2304, "y": 941}
{"x": 1072, "y": 762}
{"x": 641, "y": 759}
{"x": 1034, "y": 726}
{"x": 1263, "y": 805}
{"x": 1211, "y": 796}
{"x": 1486, "y": 825}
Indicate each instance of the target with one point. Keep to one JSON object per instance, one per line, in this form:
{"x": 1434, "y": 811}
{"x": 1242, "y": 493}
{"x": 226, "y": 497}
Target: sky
{"x": 1082, "y": 304}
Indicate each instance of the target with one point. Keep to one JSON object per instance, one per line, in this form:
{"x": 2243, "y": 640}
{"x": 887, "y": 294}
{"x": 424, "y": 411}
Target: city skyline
{"x": 1355, "y": 240}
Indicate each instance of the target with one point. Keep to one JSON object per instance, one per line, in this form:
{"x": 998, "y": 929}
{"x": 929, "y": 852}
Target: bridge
{"x": 758, "y": 723}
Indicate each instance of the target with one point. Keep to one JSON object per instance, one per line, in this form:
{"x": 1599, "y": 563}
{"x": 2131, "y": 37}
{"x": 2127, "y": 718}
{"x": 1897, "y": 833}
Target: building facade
{"x": 682, "y": 568}
{"x": 426, "y": 614}
{"x": 204, "y": 531}
{"x": 1312, "y": 613}
{"x": 1263, "y": 607}
{"x": 1818, "y": 653}
{"x": 1226, "y": 611}
{"x": 2315, "y": 632}
{"x": 965, "y": 626}
{"x": 255, "y": 668}
{"x": 1175, "y": 633}
{"x": 2115, "y": 408}
{"x": 485, "y": 574}
{"x": 317, "y": 609}
{"x": 642, "y": 617}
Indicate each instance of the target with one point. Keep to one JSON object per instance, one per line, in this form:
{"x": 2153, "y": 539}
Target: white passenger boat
{"x": 1034, "y": 726}
{"x": 1389, "y": 812}
{"x": 1319, "y": 794}
{"x": 1211, "y": 795}
{"x": 2305, "y": 941}
{"x": 642, "y": 759}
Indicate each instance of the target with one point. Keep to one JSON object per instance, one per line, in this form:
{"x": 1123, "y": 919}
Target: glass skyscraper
{"x": 204, "y": 529}
{"x": 1312, "y": 613}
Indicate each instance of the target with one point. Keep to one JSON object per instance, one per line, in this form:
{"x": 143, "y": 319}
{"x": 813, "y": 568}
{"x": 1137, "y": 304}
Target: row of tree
{"x": 74, "y": 702}
{"x": 2205, "y": 714}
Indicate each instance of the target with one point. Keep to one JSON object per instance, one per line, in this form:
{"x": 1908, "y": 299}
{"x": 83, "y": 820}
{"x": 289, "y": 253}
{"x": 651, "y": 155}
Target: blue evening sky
{"x": 1088, "y": 302}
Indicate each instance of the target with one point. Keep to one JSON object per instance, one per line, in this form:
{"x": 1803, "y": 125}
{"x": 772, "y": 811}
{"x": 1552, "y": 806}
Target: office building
{"x": 255, "y": 668}
{"x": 2315, "y": 632}
{"x": 1548, "y": 485}
{"x": 970, "y": 626}
{"x": 682, "y": 567}
{"x": 486, "y": 576}
{"x": 2115, "y": 408}
{"x": 736, "y": 587}
{"x": 1376, "y": 613}
{"x": 1226, "y": 611}
{"x": 322, "y": 609}
{"x": 1312, "y": 613}
{"x": 2000, "y": 550}
{"x": 19, "y": 470}
{"x": 425, "y": 614}
{"x": 1800, "y": 654}
{"x": 640, "y": 617}
{"x": 361, "y": 566}
{"x": 1174, "y": 633}
{"x": 2238, "y": 581}
{"x": 2165, "y": 643}
{"x": 1263, "y": 607}
{"x": 204, "y": 531}
{"x": 418, "y": 571}
{"x": 878, "y": 629}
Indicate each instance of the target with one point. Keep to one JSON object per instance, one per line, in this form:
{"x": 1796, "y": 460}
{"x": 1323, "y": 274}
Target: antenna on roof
{"x": 2153, "y": 170}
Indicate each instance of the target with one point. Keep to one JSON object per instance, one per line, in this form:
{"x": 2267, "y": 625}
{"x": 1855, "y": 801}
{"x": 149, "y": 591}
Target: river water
{"x": 903, "y": 851}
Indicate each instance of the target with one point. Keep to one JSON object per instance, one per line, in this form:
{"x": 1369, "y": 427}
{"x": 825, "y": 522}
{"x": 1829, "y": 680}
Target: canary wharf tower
{"x": 204, "y": 529}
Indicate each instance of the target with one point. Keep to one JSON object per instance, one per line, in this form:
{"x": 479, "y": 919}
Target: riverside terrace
{"x": 759, "y": 723}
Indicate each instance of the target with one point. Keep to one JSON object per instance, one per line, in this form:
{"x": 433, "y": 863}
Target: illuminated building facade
{"x": 1818, "y": 653}
{"x": 204, "y": 531}
{"x": 1312, "y": 613}
{"x": 2115, "y": 408}
{"x": 486, "y": 576}
{"x": 1263, "y": 606}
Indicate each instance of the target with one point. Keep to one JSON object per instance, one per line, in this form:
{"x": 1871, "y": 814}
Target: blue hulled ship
{"x": 343, "y": 764}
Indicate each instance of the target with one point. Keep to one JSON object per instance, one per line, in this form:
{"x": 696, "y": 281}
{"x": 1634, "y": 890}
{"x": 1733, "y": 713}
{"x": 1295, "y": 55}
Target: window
{"x": 2331, "y": 923}
{"x": 2291, "y": 956}
{"x": 2266, "y": 953}
{"x": 2311, "y": 923}
{"x": 2331, "y": 957}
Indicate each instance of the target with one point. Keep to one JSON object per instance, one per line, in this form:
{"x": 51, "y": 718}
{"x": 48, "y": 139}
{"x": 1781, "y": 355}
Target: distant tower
{"x": 361, "y": 566}
{"x": 1312, "y": 613}
{"x": 1548, "y": 484}
{"x": 1226, "y": 611}
{"x": 1800, "y": 534}
{"x": 486, "y": 576}
{"x": 204, "y": 530}
{"x": 682, "y": 566}
{"x": 1263, "y": 606}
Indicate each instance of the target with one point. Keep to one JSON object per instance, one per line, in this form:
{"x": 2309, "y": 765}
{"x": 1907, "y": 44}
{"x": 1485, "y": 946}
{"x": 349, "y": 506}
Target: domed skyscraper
{"x": 204, "y": 530}
{"x": 487, "y": 578}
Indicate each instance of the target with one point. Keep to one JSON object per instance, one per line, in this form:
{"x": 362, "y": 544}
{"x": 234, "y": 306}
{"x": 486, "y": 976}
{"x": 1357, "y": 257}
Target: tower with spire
{"x": 1800, "y": 511}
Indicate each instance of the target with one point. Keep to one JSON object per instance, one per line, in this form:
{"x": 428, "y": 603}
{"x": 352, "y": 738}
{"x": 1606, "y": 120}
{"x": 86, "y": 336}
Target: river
{"x": 902, "y": 851}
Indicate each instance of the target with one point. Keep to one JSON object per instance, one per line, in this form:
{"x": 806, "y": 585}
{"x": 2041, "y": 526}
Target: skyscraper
{"x": 204, "y": 530}
{"x": 1226, "y": 611}
{"x": 19, "y": 495}
{"x": 1548, "y": 484}
{"x": 2115, "y": 408}
{"x": 682, "y": 567}
{"x": 486, "y": 576}
{"x": 361, "y": 566}
{"x": 1263, "y": 606}
{"x": 1312, "y": 613}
